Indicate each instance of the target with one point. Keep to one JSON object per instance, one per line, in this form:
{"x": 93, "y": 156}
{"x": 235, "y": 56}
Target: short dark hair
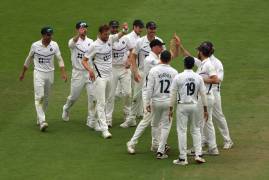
{"x": 189, "y": 62}
{"x": 165, "y": 56}
{"x": 151, "y": 25}
{"x": 138, "y": 23}
{"x": 103, "y": 28}
{"x": 211, "y": 47}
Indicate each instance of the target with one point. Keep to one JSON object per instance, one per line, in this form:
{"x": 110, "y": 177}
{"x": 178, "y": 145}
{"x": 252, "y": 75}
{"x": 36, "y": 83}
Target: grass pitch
{"x": 239, "y": 30}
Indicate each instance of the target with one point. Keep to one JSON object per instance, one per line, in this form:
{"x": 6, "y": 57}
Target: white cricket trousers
{"x": 123, "y": 76}
{"x": 42, "y": 86}
{"x": 207, "y": 127}
{"x": 79, "y": 80}
{"x": 102, "y": 90}
{"x": 219, "y": 117}
{"x": 185, "y": 113}
{"x": 137, "y": 101}
{"x": 143, "y": 124}
{"x": 160, "y": 122}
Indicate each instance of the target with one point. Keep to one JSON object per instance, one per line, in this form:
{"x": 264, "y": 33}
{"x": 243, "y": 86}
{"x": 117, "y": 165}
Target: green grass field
{"x": 239, "y": 30}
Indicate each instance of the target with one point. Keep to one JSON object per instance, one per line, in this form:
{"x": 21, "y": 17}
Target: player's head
{"x": 156, "y": 46}
{"x": 165, "y": 57}
{"x": 188, "y": 62}
{"x": 204, "y": 51}
{"x": 138, "y": 26}
{"x": 81, "y": 27}
{"x": 151, "y": 28}
{"x": 114, "y": 26}
{"x": 104, "y": 32}
{"x": 47, "y": 33}
{"x": 211, "y": 47}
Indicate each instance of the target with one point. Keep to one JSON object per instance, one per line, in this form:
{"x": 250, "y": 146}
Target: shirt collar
{"x": 154, "y": 55}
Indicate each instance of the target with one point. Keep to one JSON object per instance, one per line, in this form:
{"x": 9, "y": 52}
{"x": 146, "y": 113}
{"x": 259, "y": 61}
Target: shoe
{"x": 130, "y": 147}
{"x": 181, "y": 162}
{"x": 167, "y": 149}
{"x": 191, "y": 152}
{"x": 212, "y": 152}
{"x": 65, "y": 115}
{"x": 106, "y": 134}
{"x": 199, "y": 159}
{"x": 161, "y": 155}
{"x": 43, "y": 126}
{"x": 127, "y": 124}
{"x": 228, "y": 145}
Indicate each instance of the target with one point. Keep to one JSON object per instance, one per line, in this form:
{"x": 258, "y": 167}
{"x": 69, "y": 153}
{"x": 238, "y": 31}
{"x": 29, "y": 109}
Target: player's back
{"x": 188, "y": 84}
{"x": 162, "y": 76}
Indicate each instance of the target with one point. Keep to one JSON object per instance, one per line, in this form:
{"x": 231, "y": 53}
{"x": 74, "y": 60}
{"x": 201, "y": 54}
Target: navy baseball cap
{"x": 151, "y": 25}
{"x": 47, "y": 30}
{"x": 204, "y": 48}
{"x": 114, "y": 23}
{"x": 81, "y": 24}
{"x": 156, "y": 42}
{"x": 138, "y": 23}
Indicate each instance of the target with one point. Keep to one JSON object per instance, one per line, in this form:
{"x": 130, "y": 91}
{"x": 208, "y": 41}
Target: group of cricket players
{"x": 137, "y": 69}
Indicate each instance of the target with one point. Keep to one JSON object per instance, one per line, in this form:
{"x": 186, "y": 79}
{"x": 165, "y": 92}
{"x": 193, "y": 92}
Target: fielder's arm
{"x": 27, "y": 63}
{"x": 88, "y": 68}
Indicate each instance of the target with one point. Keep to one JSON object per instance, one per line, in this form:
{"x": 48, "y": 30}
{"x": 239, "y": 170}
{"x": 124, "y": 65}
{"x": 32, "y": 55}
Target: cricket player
{"x": 139, "y": 53}
{"x": 100, "y": 56}
{"x": 157, "y": 100}
{"x": 185, "y": 89}
{"x": 42, "y": 54}
{"x": 138, "y": 26}
{"x": 150, "y": 61}
{"x": 209, "y": 75}
{"x": 80, "y": 79}
{"x": 217, "y": 109}
{"x": 121, "y": 72}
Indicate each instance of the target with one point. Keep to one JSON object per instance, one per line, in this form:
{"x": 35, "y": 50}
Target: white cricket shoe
{"x": 130, "y": 147}
{"x": 127, "y": 124}
{"x": 181, "y": 162}
{"x": 98, "y": 127}
{"x": 228, "y": 145}
{"x": 161, "y": 155}
{"x": 43, "y": 126}
{"x": 199, "y": 159}
{"x": 106, "y": 134}
{"x": 65, "y": 115}
{"x": 212, "y": 152}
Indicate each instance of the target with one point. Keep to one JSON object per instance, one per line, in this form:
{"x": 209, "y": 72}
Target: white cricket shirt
{"x": 187, "y": 85}
{"x": 43, "y": 56}
{"x": 120, "y": 51}
{"x": 100, "y": 53}
{"x": 219, "y": 70}
{"x": 206, "y": 69}
{"x": 142, "y": 50}
{"x": 159, "y": 83}
{"x": 78, "y": 50}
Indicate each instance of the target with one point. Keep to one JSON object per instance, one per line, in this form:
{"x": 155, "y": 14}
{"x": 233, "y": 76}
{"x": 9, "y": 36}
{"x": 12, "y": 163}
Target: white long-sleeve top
{"x": 43, "y": 56}
{"x": 159, "y": 83}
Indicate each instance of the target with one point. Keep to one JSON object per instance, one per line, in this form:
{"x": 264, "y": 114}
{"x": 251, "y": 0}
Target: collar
{"x": 151, "y": 53}
{"x": 188, "y": 70}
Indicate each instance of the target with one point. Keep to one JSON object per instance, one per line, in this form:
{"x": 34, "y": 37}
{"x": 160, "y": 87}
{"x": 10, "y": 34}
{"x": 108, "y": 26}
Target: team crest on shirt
{"x": 51, "y": 49}
{"x": 109, "y": 44}
{"x": 89, "y": 44}
{"x": 123, "y": 42}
